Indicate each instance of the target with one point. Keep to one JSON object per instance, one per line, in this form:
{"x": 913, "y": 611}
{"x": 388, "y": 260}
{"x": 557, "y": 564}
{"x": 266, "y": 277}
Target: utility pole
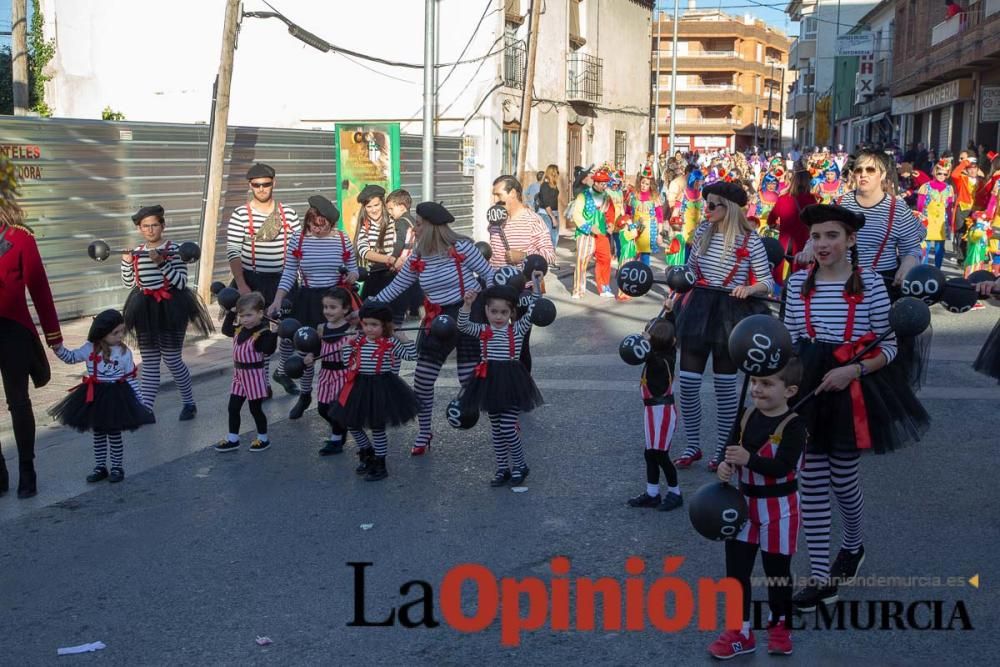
{"x": 427, "y": 182}
{"x": 655, "y": 106}
{"x": 673, "y": 77}
{"x": 833, "y": 94}
{"x": 220, "y": 122}
{"x": 770, "y": 97}
{"x": 781, "y": 110}
{"x": 529, "y": 82}
{"x": 19, "y": 55}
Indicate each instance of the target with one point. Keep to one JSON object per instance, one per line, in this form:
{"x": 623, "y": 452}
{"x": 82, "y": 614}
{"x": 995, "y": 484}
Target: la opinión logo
{"x": 669, "y": 604}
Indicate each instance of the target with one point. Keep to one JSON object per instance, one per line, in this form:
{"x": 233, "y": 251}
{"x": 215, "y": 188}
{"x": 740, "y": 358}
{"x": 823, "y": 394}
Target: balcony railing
{"x": 514, "y": 60}
{"x": 700, "y": 86}
{"x": 949, "y": 28}
{"x": 709, "y": 121}
{"x": 584, "y": 78}
{"x": 668, "y": 53}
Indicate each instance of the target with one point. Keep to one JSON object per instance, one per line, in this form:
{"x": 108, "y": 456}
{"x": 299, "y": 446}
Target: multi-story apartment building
{"x": 729, "y": 81}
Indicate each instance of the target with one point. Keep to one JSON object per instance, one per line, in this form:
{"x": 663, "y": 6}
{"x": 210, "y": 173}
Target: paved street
{"x": 197, "y": 553}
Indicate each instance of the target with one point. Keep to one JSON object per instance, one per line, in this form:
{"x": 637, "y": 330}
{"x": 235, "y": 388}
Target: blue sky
{"x": 771, "y": 12}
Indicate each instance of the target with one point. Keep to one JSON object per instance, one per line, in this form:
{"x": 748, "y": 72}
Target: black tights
{"x": 256, "y": 411}
{"x": 740, "y": 557}
{"x": 15, "y": 362}
{"x": 326, "y": 412}
{"x": 695, "y": 354}
{"x": 655, "y": 460}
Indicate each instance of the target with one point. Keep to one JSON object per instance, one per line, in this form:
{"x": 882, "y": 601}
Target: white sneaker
{"x": 607, "y": 294}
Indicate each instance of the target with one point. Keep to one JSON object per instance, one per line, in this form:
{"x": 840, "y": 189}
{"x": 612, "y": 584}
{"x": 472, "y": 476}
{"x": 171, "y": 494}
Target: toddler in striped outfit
{"x": 334, "y": 334}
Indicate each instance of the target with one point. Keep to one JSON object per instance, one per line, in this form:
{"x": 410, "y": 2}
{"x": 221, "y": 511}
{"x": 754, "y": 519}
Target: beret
{"x": 103, "y": 324}
{"x": 375, "y": 310}
{"x": 260, "y": 170}
{"x": 325, "y": 208}
{"x": 147, "y": 211}
{"x": 818, "y": 213}
{"x": 730, "y": 191}
{"x": 496, "y": 214}
{"x": 369, "y": 192}
{"x": 434, "y": 213}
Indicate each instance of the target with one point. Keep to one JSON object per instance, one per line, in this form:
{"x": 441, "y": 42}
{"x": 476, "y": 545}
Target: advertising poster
{"x": 367, "y": 154}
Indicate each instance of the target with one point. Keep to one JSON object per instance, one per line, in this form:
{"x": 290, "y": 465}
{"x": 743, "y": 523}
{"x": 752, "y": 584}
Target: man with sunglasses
{"x": 256, "y": 241}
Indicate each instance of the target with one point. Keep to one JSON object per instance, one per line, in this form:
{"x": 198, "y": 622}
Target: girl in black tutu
{"x": 160, "y": 307}
{"x": 726, "y": 252}
{"x": 988, "y": 361}
{"x": 109, "y": 399}
{"x": 833, "y": 310}
{"x": 374, "y": 396}
{"x": 501, "y": 386}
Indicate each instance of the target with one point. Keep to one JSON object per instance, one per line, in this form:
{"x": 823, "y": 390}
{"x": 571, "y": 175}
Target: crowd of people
{"x": 851, "y": 226}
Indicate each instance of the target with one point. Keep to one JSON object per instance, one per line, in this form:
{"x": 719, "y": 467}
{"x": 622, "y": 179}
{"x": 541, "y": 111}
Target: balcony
{"x": 799, "y": 105}
{"x": 949, "y": 28}
{"x": 714, "y": 87}
{"x": 883, "y": 74}
{"x": 584, "y": 82}
{"x": 802, "y": 51}
{"x": 514, "y": 60}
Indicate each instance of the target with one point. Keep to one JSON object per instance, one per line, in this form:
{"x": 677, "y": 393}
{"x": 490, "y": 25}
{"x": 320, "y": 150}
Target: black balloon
{"x": 924, "y": 282}
{"x": 99, "y": 251}
{"x": 306, "y": 340}
{"x": 505, "y": 274}
{"x": 287, "y": 327}
{"x": 635, "y": 278}
{"x": 295, "y": 367}
{"x": 680, "y": 278}
{"x": 760, "y": 345}
{"x": 544, "y": 313}
{"x": 717, "y": 511}
{"x": 227, "y": 297}
{"x": 959, "y": 296}
{"x": 909, "y": 317}
{"x": 484, "y": 249}
{"x": 457, "y": 418}
{"x": 534, "y": 263}
{"x": 775, "y": 253}
{"x": 444, "y": 327}
{"x": 634, "y": 349}
{"x": 217, "y": 287}
{"x": 189, "y": 251}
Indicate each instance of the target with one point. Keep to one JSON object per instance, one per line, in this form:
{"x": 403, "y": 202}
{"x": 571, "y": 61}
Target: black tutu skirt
{"x": 895, "y": 415}
{"x": 377, "y": 401}
{"x": 307, "y": 306}
{"x": 710, "y": 316}
{"x": 265, "y": 283}
{"x": 988, "y": 361}
{"x": 115, "y": 408}
{"x": 507, "y": 385}
{"x": 144, "y": 314}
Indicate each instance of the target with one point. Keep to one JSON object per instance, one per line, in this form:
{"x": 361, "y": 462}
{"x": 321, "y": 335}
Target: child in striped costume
{"x": 108, "y": 400}
{"x": 659, "y": 415}
{"x": 766, "y": 462}
{"x": 374, "y": 396}
{"x": 501, "y": 385}
{"x": 253, "y": 340}
{"x": 334, "y": 333}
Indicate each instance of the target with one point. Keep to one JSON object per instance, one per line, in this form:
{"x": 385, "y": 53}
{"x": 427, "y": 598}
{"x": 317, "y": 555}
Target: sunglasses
{"x": 711, "y": 206}
{"x": 871, "y": 171}
{"x": 262, "y": 186}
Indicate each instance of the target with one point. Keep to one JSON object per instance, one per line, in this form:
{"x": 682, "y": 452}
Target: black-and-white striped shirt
{"x": 317, "y": 260}
{"x": 368, "y": 241}
{"x": 904, "y": 239}
{"x": 260, "y": 256}
{"x": 438, "y": 276}
{"x": 498, "y": 346}
{"x": 828, "y": 311}
{"x": 369, "y": 355}
{"x": 152, "y": 276}
{"x": 715, "y": 265}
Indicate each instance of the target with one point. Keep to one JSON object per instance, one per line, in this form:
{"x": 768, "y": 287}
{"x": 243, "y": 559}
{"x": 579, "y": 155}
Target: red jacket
{"x": 21, "y": 267}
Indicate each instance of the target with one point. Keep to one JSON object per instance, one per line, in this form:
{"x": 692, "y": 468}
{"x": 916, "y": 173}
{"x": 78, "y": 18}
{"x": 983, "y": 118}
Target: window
{"x": 760, "y": 53}
{"x": 576, "y": 39}
{"x": 809, "y": 27}
{"x": 511, "y": 139}
{"x": 514, "y": 58}
{"x": 620, "y": 150}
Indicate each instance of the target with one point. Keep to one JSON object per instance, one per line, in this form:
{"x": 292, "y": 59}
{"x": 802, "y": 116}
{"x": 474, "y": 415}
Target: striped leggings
{"x": 424, "y": 377}
{"x": 820, "y": 474}
{"x": 507, "y": 439}
{"x": 166, "y": 346}
{"x": 379, "y": 438}
{"x": 694, "y": 359}
{"x": 101, "y": 441}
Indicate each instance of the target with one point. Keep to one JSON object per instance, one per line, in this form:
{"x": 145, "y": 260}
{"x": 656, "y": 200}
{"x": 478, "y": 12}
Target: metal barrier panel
{"x": 81, "y": 180}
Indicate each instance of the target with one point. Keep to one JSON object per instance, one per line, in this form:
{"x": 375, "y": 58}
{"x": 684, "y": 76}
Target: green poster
{"x": 367, "y": 153}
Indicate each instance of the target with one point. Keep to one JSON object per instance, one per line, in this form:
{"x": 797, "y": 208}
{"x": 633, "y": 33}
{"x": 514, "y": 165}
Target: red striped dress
{"x": 332, "y": 372}
{"x": 249, "y": 369}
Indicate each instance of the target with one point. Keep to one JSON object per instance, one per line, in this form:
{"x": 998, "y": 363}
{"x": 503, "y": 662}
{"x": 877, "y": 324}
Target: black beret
{"x": 496, "y": 214}
{"x": 730, "y": 191}
{"x": 325, "y": 208}
{"x": 817, "y": 213}
{"x": 147, "y": 211}
{"x": 260, "y": 170}
{"x": 434, "y": 213}
{"x": 103, "y": 324}
{"x": 375, "y": 310}
{"x": 369, "y": 192}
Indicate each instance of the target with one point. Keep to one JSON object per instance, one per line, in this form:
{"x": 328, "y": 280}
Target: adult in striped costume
{"x": 446, "y": 265}
{"x": 592, "y": 210}
{"x": 257, "y": 241}
{"x": 833, "y": 310}
{"x": 766, "y": 463}
{"x": 319, "y": 257}
{"x": 253, "y": 341}
{"x": 375, "y": 239}
{"x": 21, "y": 353}
{"x": 523, "y": 233}
{"x": 160, "y": 307}
{"x": 501, "y": 386}
{"x": 725, "y": 252}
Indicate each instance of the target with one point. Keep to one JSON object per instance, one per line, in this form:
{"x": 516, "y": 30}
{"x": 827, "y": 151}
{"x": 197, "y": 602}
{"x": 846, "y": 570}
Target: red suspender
{"x": 162, "y": 292}
{"x": 253, "y": 236}
{"x": 459, "y": 258}
{"x": 741, "y": 254}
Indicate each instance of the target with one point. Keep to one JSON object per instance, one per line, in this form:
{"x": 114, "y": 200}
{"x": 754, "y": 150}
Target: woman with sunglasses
{"x": 318, "y": 258}
{"x": 725, "y": 252}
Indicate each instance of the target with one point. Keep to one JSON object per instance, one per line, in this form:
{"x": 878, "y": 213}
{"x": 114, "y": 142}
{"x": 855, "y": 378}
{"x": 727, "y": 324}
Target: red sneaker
{"x": 686, "y": 460}
{"x": 732, "y": 643}
{"x": 779, "y": 639}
